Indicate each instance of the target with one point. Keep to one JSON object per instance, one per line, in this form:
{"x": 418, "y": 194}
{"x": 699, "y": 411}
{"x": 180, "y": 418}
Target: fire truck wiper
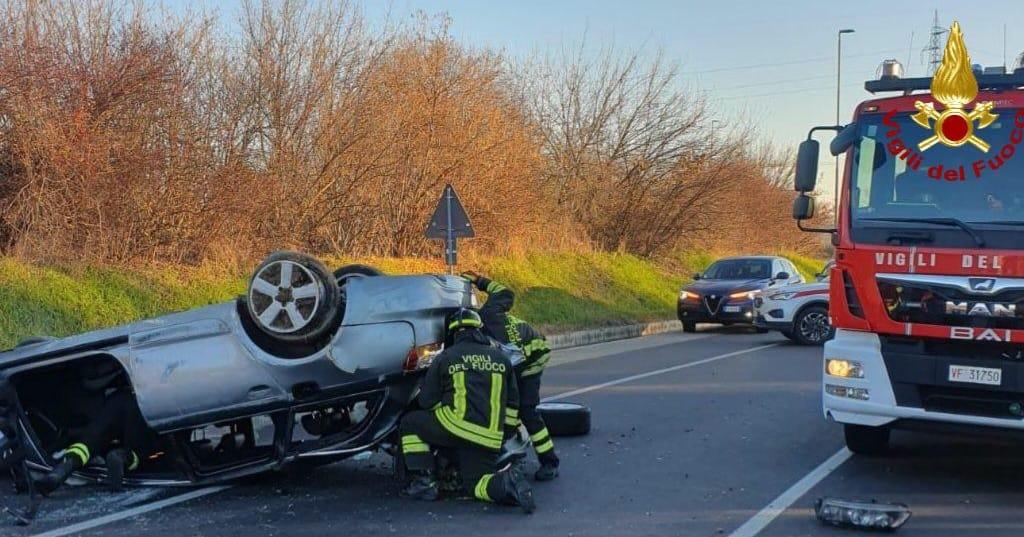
{"x": 937, "y": 221}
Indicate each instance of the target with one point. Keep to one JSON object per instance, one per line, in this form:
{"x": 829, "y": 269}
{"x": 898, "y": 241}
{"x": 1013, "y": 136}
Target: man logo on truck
{"x": 982, "y": 284}
{"x": 954, "y": 86}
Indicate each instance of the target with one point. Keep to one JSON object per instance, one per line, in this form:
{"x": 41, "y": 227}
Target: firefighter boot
{"x": 519, "y": 489}
{"x": 548, "y": 466}
{"x": 422, "y": 486}
{"x": 119, "y": 462}
{"x": 60, "y": 473}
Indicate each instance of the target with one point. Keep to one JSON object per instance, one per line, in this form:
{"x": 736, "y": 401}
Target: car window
{"x": 793, "y": 272}
{"x": 739, "y": 269}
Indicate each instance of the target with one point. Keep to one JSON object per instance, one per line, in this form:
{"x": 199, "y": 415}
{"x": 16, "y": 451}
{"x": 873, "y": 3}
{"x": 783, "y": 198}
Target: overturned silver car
{"x": 308, "y": 365}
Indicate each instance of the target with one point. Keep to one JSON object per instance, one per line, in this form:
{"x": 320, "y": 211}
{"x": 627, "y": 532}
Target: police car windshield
{"x": 893, "y": 178}
{"x": 739, "y": 269}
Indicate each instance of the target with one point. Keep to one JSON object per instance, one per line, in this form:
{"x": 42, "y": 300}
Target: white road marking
{"x": 135, "y": 511}
{"x": 777, "y": 506}
{"x": 631, "y": 378}
{"x": 199, "y": 493}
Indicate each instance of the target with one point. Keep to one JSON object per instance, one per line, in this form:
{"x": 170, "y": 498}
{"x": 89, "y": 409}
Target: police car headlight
{"x": 783, "y": 296}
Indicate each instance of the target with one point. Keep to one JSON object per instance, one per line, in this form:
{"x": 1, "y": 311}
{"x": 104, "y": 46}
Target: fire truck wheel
{"x": 865, "y": 440}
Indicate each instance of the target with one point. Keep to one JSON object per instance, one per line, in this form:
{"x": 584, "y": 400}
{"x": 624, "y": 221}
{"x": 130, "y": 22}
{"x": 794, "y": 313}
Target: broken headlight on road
{"x": 861, "y": 514}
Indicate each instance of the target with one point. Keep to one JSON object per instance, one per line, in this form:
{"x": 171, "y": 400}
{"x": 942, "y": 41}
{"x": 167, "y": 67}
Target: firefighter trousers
{"x": 529, "y": 398}
{"x": 421, "y": 433}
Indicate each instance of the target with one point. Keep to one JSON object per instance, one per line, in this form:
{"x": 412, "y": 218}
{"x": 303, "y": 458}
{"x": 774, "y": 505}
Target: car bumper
{"x": 883, "y": 407}
{"x": 730, "y": 312}
{"x": 782, "y": 326}
{"x": 776, "y": 313}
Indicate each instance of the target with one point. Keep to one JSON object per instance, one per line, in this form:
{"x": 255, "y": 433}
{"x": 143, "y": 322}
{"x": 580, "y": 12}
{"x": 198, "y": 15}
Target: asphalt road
{"x": 717, "y": 433}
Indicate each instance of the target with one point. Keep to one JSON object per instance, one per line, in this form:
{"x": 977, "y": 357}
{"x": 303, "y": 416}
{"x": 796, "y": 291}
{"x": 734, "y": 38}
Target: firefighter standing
{"x": 500, "y": 325}
{"x": 471, "y": 396}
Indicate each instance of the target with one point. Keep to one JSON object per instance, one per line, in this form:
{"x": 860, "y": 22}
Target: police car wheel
{"x": 565, "y": 419}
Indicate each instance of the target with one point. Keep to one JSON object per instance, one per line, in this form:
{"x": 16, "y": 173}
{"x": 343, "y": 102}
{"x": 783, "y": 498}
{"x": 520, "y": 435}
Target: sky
{"x": 768, "y": 62}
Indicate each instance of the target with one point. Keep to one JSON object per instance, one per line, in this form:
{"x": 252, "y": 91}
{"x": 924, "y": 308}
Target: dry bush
{"x": 634, "y": 159}
{"x": 129, "y": 134}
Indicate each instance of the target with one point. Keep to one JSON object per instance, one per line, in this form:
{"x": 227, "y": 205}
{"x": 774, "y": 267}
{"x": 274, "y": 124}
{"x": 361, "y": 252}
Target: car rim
{"x": 814, "y": 326}
{"x": 284, "y": 296}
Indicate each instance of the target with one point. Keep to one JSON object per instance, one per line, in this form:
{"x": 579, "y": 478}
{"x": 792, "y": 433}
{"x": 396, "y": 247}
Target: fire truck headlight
{"x": 844, "y": 368}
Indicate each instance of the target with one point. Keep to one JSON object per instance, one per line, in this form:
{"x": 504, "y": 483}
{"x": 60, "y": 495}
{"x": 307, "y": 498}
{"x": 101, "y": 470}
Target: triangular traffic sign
{"x": 449, "y": 209}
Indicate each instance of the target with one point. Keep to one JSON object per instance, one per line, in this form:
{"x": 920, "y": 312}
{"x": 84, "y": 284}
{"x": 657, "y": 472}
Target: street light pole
{"x": 839, "y": 80}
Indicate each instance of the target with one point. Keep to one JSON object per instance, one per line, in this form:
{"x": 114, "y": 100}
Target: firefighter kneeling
{"x": 470, "y": 391}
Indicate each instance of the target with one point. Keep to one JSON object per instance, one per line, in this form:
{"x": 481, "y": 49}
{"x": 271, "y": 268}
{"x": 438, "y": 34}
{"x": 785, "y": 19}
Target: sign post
{"x": 449, "y": 222}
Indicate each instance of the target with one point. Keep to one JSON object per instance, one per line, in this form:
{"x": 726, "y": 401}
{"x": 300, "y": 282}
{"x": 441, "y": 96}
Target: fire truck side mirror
{"x": 806, "y": 166}
{"x": 803, "y": 207}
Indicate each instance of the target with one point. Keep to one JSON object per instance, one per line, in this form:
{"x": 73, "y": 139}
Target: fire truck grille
{"x": 941, "y": 305}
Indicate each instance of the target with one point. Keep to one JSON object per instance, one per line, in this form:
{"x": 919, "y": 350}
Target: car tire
{"x": 355, "y": 271}
{"x": 292, "y": 298}
{"x": 811, "y": 326}
{"x": 789, "y": 334}
{"x": 565, "y": 419}
{"x": 866, "y": 440}
{"x": 689, "y": 326}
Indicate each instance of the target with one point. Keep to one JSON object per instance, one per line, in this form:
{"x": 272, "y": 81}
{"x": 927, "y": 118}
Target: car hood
{"x": 721, "y": 287}
{"x": 801, "y": 287}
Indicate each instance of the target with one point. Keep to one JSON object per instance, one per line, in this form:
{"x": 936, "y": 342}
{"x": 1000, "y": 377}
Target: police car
{"x": 799, "y": 311}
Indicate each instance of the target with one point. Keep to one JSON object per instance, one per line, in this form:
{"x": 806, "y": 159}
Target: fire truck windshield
{"x": 894, "y": 184}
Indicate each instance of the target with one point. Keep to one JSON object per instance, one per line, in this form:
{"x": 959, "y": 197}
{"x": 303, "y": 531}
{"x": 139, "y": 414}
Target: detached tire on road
{"x": 292, "y": 298}
{"x": 865, "y": 440}
{"x": 565, "y": 419}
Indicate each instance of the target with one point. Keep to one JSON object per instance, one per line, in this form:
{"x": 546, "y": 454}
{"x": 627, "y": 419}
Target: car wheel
{"x": 789, "y": 334}
{"x": 812, "y": 326}
{"x": 565, "y": 419}
{"x": 689, "y": 326}
{"x": 292, "y": 298}
{"x": 355, "y": 271}
{"x": 865, "y": 440}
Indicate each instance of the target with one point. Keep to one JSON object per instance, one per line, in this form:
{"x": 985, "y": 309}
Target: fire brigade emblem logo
{"x": 955, "y": 87}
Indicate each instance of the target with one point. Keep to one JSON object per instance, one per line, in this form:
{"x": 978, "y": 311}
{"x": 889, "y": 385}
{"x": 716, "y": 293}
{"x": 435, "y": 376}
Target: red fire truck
{"x": 927, "y": 293}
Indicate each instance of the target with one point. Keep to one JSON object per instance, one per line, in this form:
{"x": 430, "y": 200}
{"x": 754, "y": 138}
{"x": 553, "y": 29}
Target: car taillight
{"x": 421, "y": 357}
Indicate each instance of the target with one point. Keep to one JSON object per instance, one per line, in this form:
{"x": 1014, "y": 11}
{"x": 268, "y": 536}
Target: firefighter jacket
{"x": 472, "y": 390}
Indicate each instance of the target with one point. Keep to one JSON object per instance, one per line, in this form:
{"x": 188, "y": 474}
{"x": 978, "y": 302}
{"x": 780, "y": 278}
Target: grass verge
{"x": 556, "y": 292}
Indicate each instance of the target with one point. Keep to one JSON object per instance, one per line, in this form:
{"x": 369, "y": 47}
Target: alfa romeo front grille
{"x": 712, "y": 303}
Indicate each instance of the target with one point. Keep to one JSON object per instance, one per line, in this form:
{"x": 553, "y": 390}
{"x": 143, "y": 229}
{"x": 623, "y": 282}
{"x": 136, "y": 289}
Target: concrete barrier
{"x": 610, "y": 333}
